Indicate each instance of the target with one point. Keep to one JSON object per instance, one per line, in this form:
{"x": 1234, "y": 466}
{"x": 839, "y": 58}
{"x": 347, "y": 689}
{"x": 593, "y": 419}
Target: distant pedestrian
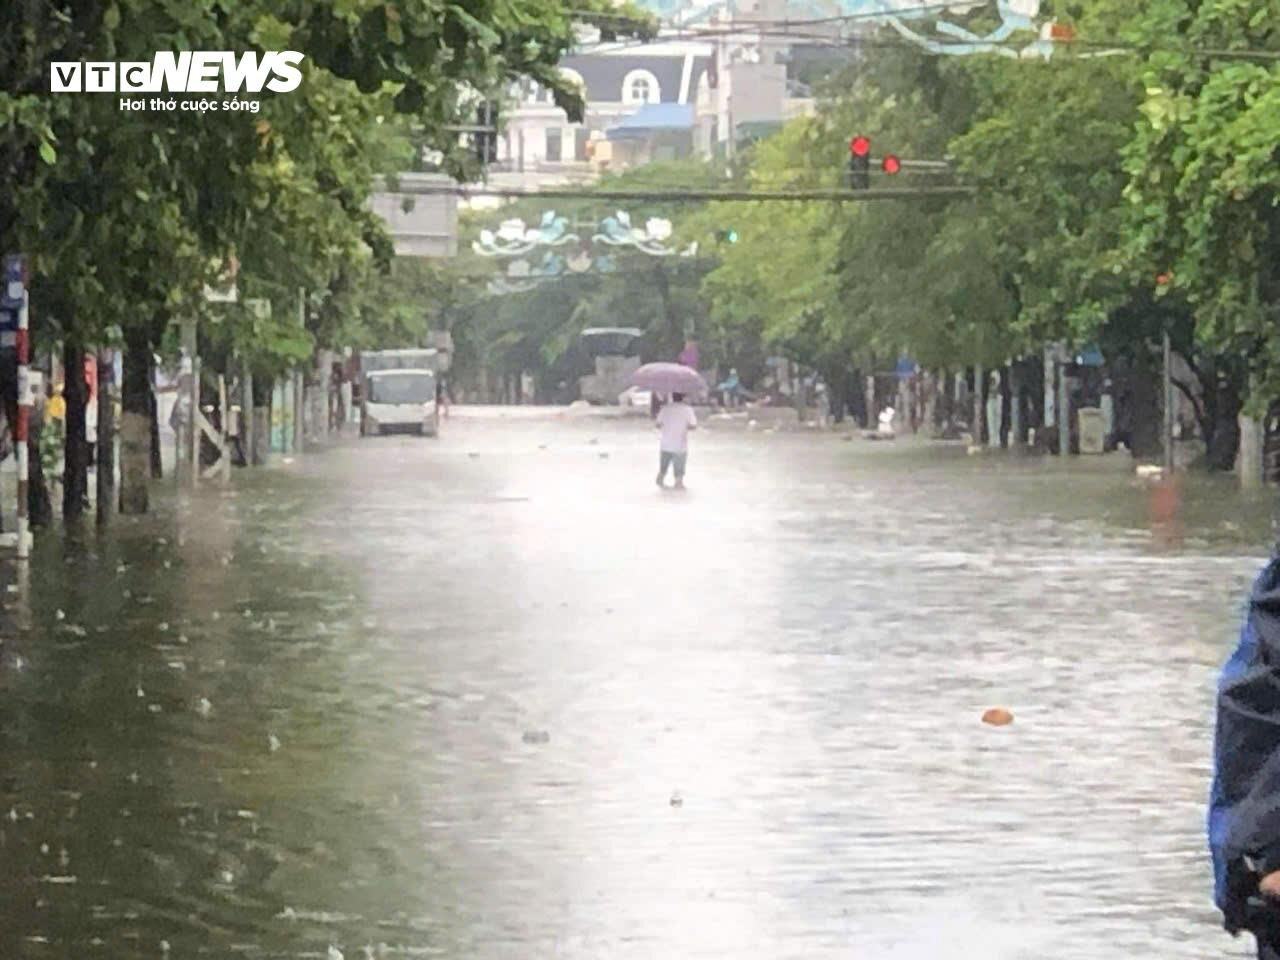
{"x": 675, "y": 420}
{"x": 730, "y": 388}
{"x": 442, "y": 397}
{"x": 689, "y": 355}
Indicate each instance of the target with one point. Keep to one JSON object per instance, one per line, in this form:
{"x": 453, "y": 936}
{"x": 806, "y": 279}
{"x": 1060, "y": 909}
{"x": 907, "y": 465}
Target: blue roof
{"x": 651, "y": 118}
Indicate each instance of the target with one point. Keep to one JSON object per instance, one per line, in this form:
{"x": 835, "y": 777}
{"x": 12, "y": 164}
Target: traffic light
{"x": 728, "y": 235}
{"x": 890, "y": 164}
{"x": 860, "y": 163}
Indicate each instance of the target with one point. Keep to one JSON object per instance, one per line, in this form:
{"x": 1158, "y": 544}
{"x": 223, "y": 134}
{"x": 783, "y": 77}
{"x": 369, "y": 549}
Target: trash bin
{"x": 1093, "y": 429}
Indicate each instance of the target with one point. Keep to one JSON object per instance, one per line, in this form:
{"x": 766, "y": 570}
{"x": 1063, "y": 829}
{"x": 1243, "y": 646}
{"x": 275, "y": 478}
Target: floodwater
{"x": 497, "y": 696}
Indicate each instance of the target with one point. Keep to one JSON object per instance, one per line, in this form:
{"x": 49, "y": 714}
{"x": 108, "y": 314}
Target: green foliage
{"x": 127, "y": 214}
{"x": 1204, "y": 177}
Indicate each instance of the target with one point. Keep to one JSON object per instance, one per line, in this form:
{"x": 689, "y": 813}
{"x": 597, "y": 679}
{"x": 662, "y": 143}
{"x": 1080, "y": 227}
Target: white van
{"x": 400, "y": 400}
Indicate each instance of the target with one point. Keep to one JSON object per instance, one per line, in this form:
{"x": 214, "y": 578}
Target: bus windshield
{"x": 418, "y": 387}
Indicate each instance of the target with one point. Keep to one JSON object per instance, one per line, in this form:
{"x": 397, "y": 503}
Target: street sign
{"x": 421, "y": 224}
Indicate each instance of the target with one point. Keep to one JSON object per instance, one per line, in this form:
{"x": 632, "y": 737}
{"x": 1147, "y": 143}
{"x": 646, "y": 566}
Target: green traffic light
{"x": 731, "y": 236}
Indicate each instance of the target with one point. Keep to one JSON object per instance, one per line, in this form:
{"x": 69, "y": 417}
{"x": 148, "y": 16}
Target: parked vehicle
{"x": 635, "y": 398}
{"x": 400, "y": 400}
{"x": 398, "y": 390}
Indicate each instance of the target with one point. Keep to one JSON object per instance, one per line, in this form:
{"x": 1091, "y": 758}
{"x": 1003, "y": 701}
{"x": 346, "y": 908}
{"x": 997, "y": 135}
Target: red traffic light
{"x": 860, "y": 146}
{"x": 890, "y": 164}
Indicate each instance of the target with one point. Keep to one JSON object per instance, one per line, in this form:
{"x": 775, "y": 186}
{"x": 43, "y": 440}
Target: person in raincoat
{"x": 1244, "y": 805}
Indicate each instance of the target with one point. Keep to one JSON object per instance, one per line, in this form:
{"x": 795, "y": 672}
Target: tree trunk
{"x": 153, "y": 412}
{"x": 262, "y": 390}
{"x": 39, "y": 503}
{"x": 138, "y": 443}
{"x": 105, "y": 457}
{"x": 1222, "y": 444}
{"x": 75, "y": 481}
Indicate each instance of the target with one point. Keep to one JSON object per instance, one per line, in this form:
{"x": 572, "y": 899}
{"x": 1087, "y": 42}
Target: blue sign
{"x": 11, "y": 292}
{"x": 11, "y": 288}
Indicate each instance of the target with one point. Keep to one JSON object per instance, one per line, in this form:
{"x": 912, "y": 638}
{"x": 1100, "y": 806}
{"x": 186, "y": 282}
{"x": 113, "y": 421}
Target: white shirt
{"x": 675, "y": 420}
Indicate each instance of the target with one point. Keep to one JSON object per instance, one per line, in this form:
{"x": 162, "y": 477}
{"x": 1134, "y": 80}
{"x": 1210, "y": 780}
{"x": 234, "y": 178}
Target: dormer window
{"x": 640, "y": 86}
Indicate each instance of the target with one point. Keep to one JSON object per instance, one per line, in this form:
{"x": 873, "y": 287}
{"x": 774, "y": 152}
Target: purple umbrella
{"x": 670, "y": 378}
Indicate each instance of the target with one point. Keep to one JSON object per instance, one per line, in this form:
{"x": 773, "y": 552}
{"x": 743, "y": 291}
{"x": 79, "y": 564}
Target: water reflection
{"x": 497, "y": 696}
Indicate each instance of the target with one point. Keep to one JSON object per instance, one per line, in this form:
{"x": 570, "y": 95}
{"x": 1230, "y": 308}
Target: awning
{"x": 653, "y": 118}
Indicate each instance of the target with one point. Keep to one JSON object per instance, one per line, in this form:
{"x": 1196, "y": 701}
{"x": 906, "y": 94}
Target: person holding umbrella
{"x": 675, "y": 420}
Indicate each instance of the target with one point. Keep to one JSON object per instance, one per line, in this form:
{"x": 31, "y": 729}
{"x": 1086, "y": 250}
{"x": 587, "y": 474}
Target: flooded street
{"x": 497, "y": 696}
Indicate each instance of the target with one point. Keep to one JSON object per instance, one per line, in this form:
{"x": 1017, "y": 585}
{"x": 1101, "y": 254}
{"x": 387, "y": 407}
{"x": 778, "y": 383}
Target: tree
{"x": 1203, "y": 188}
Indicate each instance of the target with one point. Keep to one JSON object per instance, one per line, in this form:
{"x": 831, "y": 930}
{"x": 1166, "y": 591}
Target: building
{"x": 713, "y": 81}
{"x": 639, "y": 108}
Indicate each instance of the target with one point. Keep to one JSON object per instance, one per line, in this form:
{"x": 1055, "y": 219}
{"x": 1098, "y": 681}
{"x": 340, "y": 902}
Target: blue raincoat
{"x": 1244, "y": 805}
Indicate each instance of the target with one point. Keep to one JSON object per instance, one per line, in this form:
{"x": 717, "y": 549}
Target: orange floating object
{"x": 997, "y": 717}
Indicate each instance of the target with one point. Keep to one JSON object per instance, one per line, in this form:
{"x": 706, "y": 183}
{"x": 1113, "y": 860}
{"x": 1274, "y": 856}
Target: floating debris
{"x": 677, "y": 800}
{"x": 59, "y": 615}
{"x": 997, "y": 717}
{"x": 204, "y": 707}
{"x": 334, "y": 953}
{"x": 536, "y": 736}
{"x": 273, "y": 742}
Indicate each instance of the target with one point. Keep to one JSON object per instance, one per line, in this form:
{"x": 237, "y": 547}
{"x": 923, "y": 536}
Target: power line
{"x": 796, "y": 30}
{"x": 687, "y": 196}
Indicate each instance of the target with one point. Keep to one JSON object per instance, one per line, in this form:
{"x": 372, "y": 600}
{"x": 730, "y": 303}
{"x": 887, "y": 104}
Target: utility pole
{"x": 189, "y": 442}
{"x": 298, "y": 379}
{"x": 247, "y": 413}
{"x": 1168, "y": 405}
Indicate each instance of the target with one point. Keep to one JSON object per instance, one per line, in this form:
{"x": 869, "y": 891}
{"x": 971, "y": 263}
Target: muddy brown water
{"x": 497, "y": 696}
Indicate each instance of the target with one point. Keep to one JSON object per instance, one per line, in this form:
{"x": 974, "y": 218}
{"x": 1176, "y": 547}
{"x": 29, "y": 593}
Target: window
{"x": 554, "y": 142}
{"x": 640, "y": 86}
{"x": 580, "y": 137}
